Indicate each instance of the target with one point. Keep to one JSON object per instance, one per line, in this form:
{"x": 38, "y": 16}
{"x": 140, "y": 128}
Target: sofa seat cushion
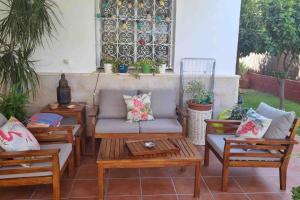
{"x": 161, "y": 125}
{"x": 65, "y": 151}
{"x": 116, "y": 126}
{"x": 112, "y": 104}
{"x": 217, "y": 142}
{"x": 163, "y": 102}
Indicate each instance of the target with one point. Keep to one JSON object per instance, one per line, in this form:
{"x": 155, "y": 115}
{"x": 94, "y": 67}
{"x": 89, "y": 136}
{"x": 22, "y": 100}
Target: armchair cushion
{"x": 160, "y": 125}
{"x": 218, "y": 144}
{"x": 65, "y": 151}
{"x": 281, "y": 121}
{"x": 116, "y": 126}
{"x": 163, "y": 102}
{"x": 112, "y": 104}
{"x": 3, "y": 120}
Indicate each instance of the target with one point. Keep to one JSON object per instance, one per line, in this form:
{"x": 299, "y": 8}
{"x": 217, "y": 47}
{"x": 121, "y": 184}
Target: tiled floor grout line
{"x": 209, "y": 191}
{"x": 241, "y": 188}
{"x": 174, "y": 187}
{"x": 33, "y": 192}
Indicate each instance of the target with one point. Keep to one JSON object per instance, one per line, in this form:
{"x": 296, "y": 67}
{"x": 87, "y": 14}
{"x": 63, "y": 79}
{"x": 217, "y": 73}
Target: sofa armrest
{"x": 50, "y": 134}
{"x": 255, "y": 141}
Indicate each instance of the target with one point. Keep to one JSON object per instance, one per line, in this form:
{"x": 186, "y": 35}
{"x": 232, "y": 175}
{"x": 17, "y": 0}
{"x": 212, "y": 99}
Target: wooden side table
{"x": 79, "y": 113}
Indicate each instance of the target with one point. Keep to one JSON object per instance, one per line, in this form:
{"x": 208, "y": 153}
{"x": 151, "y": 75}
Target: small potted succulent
{"x": 108, "y": 64}
{"x": 162, "y": 66}
{"x": 244, "y": 81}
{"x": 200, "y": 97}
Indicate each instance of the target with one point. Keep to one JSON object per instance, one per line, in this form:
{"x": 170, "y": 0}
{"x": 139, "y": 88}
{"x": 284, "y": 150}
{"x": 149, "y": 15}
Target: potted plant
{"x": 108, "y": 63}
{"x": 244, "y": 81}
{"x": 200, "y": 97}
{"x": 162, "y": 66}
{"x": 296, "y": 193}
{"x": 123, "y": 66}
{"x": 146, "y": 65}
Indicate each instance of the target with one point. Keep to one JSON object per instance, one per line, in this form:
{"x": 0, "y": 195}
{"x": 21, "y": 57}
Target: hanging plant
{"x": 24, "y": 26}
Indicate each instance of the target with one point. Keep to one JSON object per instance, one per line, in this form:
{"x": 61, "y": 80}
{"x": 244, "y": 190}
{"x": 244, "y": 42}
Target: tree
{"x": 276, "y": 32}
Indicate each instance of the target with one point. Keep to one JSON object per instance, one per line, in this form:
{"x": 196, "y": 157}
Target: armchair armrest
{"x": 93, "y": 112}
{"x": 31, "y": 153}
{"x": 182, "y": 112}
{"x": 260, "y": 141}
{"x": 53, "y": 134}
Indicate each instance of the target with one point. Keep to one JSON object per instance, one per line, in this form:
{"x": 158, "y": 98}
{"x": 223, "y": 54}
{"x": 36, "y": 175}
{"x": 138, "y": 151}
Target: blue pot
{"x": 123, "y": 68}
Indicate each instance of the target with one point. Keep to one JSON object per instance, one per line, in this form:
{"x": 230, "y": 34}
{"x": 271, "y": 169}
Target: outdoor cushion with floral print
{"x": 14, "y": 136}
{"x": 253, "y": 125}
{"x": 139, "y": 107}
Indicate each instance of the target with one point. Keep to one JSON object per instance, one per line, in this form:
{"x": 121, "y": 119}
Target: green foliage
{"x": 13, "y": 103}
{"x": 22, "y": 28}
{"x": 296, "y": 193}
{"x": 198, "y": 93}
{"x": 145, "y": 62}
{"x": 243, "y": 69}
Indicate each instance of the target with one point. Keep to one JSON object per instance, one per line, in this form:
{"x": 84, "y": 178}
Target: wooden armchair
{"x": 236, "y": 152}
{"x": 46, "y": 166}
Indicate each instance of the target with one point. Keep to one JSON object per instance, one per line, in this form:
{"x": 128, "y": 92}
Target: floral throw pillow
{"x": 14, "y": 136}
{"x": 139, "y": 107}
{"x": 253, "y": 125}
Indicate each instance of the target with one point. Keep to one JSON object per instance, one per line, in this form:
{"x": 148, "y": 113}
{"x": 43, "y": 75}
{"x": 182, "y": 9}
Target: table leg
{"x": 101, "y": 173}
{"x": 197, "y": 180}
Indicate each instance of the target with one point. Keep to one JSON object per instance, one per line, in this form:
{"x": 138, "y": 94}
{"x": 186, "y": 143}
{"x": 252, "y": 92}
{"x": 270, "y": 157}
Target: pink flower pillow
{"x": 15, "y": 137}
{"x": 139, "y": 107}
{"x": 253, "y": 125}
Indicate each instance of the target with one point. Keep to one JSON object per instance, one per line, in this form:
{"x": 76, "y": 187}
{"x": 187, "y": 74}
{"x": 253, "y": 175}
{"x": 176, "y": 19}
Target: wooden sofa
{"x": 108, "y": 120}
{"x": 44, "y": 166}
{"x": 272, "y": 151}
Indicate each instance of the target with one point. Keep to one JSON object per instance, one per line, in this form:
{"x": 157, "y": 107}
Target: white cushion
{"x": 218, "y": 143}
{"x": 65, "y": 151}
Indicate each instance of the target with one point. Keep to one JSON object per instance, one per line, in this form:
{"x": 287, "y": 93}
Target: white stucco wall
{"x": 203, "y": 29}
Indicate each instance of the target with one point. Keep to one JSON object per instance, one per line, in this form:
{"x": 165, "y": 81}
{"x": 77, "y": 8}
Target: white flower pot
{"x": 162, "y": 68}
{"x": 108, "y": 68}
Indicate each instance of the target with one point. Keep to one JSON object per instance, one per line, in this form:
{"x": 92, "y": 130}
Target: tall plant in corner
{"x": 25, "y": 24}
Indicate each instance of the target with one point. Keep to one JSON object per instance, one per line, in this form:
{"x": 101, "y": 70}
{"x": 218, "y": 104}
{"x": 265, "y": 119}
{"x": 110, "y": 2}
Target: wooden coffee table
{"x": 114, "y": 153}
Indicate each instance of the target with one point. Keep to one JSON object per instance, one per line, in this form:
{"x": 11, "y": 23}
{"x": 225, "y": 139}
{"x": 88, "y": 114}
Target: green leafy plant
{"x": 296, "y": 193}
{"x": 24, "y": 26}
{"x": 13, "y": 103}
{"x": 243, "y": 69}
{"x": 198, "y": 93}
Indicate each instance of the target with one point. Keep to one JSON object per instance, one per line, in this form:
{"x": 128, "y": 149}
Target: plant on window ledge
{"x": 23, "y": 27}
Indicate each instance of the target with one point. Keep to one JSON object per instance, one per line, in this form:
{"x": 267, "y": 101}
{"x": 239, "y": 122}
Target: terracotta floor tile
{"x": 84, "y": 188}
{"x": 124, "y": 187}
{"x": 214, "y": 169}
{"x": 258, "y": 184}
{"x": 191, "y": 197}
{"x": 155, "y": 172}
{"x": 273, "y": 196}
{"x": 123, "y": 173}
{"x": 160, "y": 197}
{"x": 123, "y": 198}
{"x": 214, "y": 185}
{"x": 230, "y": 197}
{"x": 10, "y": 193}
{"x": 186, "y": 186}
{"x": 45, "y": 191}
{"x": 88, "y": 171}
{"x": 182, "y": 172}
{"x": 157, "y": 186}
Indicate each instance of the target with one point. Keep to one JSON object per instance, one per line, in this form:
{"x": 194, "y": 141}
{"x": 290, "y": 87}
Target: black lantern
{"x": 63, "y": 91}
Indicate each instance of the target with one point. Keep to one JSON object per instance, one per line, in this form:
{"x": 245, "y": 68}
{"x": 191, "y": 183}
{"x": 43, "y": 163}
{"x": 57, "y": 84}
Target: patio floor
{"x": 167, "y": 184}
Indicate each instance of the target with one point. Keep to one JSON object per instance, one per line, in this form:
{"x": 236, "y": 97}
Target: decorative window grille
{"x": 133, "y": 30}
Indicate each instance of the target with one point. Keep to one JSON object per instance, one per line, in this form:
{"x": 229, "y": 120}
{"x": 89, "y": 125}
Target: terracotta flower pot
{"x": 199, "y": 107}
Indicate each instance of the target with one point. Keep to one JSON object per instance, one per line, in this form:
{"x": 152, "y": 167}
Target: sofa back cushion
{"x": 112, "y": 104}
{"x": 163, "y": 102}
{"x": 3, "y": 120}
{"x": 281, "y": 121}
